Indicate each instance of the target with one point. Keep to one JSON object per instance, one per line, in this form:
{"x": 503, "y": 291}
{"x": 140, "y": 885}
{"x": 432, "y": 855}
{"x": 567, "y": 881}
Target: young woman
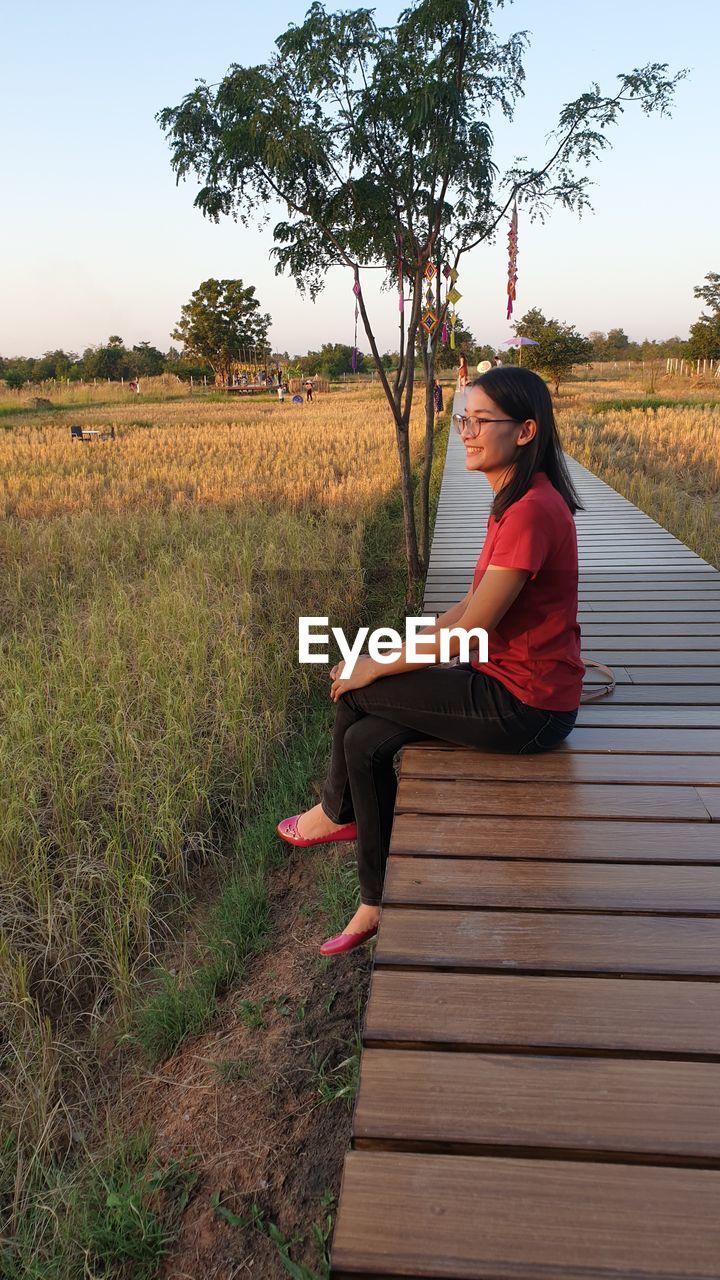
{"x": 463, "y": 377}
{"x": 524, "y": 594}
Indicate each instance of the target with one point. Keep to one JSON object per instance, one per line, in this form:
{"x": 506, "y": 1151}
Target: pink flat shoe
{"x": 287, "y": 830}
{"x": 346, "y": 942}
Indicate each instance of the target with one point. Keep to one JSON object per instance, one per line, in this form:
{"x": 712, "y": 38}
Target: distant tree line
{"x": 223, "y": 319}
{"x": 111, "y": 359}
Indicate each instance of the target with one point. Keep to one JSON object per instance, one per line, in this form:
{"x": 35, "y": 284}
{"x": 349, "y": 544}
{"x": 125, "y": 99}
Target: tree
{"x": 146, "y": 361}
{"x": 332, "y": 361}
{"x": 376, "y": 142}
{"x": 710, "y": 292}
{"x": 111, "y": 361}
{"x": 704, "y": 343}
{"x": 55, "y": 364}
{"x": 559, "y": 346}
{"x": 617, "y": 344}
{"x": 222, "y": 324}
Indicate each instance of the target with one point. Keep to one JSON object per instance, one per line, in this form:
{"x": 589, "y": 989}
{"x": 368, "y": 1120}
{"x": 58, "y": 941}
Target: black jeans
{"x": 455, "y": 704}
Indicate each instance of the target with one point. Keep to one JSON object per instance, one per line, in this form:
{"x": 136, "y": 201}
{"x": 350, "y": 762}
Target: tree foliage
{"x": 704, "y": 343}
{"x": 559, "y": 346}
{"x": 222, "y": 324}
{"x": 332, "y": 361}
{"x": 375, "y": 143}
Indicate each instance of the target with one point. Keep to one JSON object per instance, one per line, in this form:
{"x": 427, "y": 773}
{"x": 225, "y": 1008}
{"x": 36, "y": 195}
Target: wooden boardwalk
{"x": 540, "y": 1081}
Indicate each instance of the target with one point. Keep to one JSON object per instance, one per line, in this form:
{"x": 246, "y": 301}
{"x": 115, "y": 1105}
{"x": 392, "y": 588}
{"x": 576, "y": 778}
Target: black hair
{"x": 522, "y": 394}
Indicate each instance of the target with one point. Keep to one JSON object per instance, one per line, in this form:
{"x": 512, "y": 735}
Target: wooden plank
{"x": 711, "y": 802}
{"x": 692, "y": 631}
{"x": 592, "y": 734}
{"x": 607, "y": 712}
{"x": 522, "y": 1013}
{"x": 552, "y": 800}
{"x": 672, "y": 617}
{"x": 499, "y": 884}
{"x": 553, "y": 1105}
{"x": 626, "y": 648}
{"x": 562, "y": 766}
{"x": 661, "y": 695}
{"x": 653, "y": 656}
{"x": 671, "y": 675}
{"x": 549, "y": 942}
{"x": 555, "y": 838}
{"x": 645, "y": 741}
{"x": 478, "y": 1218}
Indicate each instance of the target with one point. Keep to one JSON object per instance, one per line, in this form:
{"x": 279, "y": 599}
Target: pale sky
{"x": 97, "y": 239}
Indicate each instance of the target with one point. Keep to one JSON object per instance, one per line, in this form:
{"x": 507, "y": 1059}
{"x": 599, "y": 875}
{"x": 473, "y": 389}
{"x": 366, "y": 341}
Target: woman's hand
{"x": 364, "y": 672}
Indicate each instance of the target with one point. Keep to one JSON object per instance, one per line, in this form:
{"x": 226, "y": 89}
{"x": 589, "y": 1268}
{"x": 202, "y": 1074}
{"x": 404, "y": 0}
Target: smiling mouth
{"x": 470, "y": 449}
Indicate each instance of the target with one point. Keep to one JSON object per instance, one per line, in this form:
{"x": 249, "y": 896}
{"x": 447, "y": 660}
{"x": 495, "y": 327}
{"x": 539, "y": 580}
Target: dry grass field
{"x": 664, "y": 459}
{"x": 149, "y": 599}
{"x": 148, "y": 617}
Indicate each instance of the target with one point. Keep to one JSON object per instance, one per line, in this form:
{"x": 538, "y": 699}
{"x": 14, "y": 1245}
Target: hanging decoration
{"x": 430, "y": 319}
{"x": 452, "y": 297}
{"x": 512, "y": 260}
{"x": 444, "y": 333}
{"x": 356, "y": 291}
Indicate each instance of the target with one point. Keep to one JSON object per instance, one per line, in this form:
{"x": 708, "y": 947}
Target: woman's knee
{"x": 370, "y": 740}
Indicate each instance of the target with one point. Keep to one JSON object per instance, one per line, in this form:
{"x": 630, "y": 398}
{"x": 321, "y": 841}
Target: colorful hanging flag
{"x": 454, "y": 295}
{"x": 447, "y": 270}
{"x": 430, "y": 271}
{"x": 512, "y": 260}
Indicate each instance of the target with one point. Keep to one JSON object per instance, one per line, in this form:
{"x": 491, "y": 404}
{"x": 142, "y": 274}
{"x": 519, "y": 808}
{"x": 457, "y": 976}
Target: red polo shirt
{"x": 535, "y": 648}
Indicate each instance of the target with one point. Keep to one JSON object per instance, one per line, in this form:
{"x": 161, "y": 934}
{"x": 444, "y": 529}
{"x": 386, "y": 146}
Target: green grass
{"x": 340, "y": 1082}
{"x": 238, "y": 924}
{"x": 650, "y": 402}
{"x": 201, "y": 791}
{"x": 116, "y": 1219}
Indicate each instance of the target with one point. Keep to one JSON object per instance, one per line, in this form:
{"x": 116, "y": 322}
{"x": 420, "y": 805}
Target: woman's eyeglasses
{"x": 473, "y": 425}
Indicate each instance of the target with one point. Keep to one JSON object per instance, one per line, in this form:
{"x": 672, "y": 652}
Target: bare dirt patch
{"x": 245, "y": 1097}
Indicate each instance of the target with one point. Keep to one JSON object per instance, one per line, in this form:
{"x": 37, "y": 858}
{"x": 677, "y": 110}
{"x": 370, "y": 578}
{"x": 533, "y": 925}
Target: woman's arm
{"x": 496, "y": 591}
{"x": 450, "y": 617}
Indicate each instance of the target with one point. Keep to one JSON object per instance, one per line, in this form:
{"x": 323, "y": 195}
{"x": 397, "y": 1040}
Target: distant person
{"x": 463, "y": 374}
{"x": 281, "y": 393}
{"x": 498, "y": 362}
{"x": 438, "y": 398}
{"x": 308, "y": 391}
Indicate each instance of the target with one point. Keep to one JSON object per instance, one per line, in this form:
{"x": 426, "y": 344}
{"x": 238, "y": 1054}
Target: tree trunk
{"x": 424, "y": 512}
{"x": 400, "y": 398}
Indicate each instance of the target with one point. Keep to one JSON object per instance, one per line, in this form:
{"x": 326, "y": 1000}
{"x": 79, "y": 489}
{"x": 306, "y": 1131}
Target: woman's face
{"x": 494, "y": 450}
